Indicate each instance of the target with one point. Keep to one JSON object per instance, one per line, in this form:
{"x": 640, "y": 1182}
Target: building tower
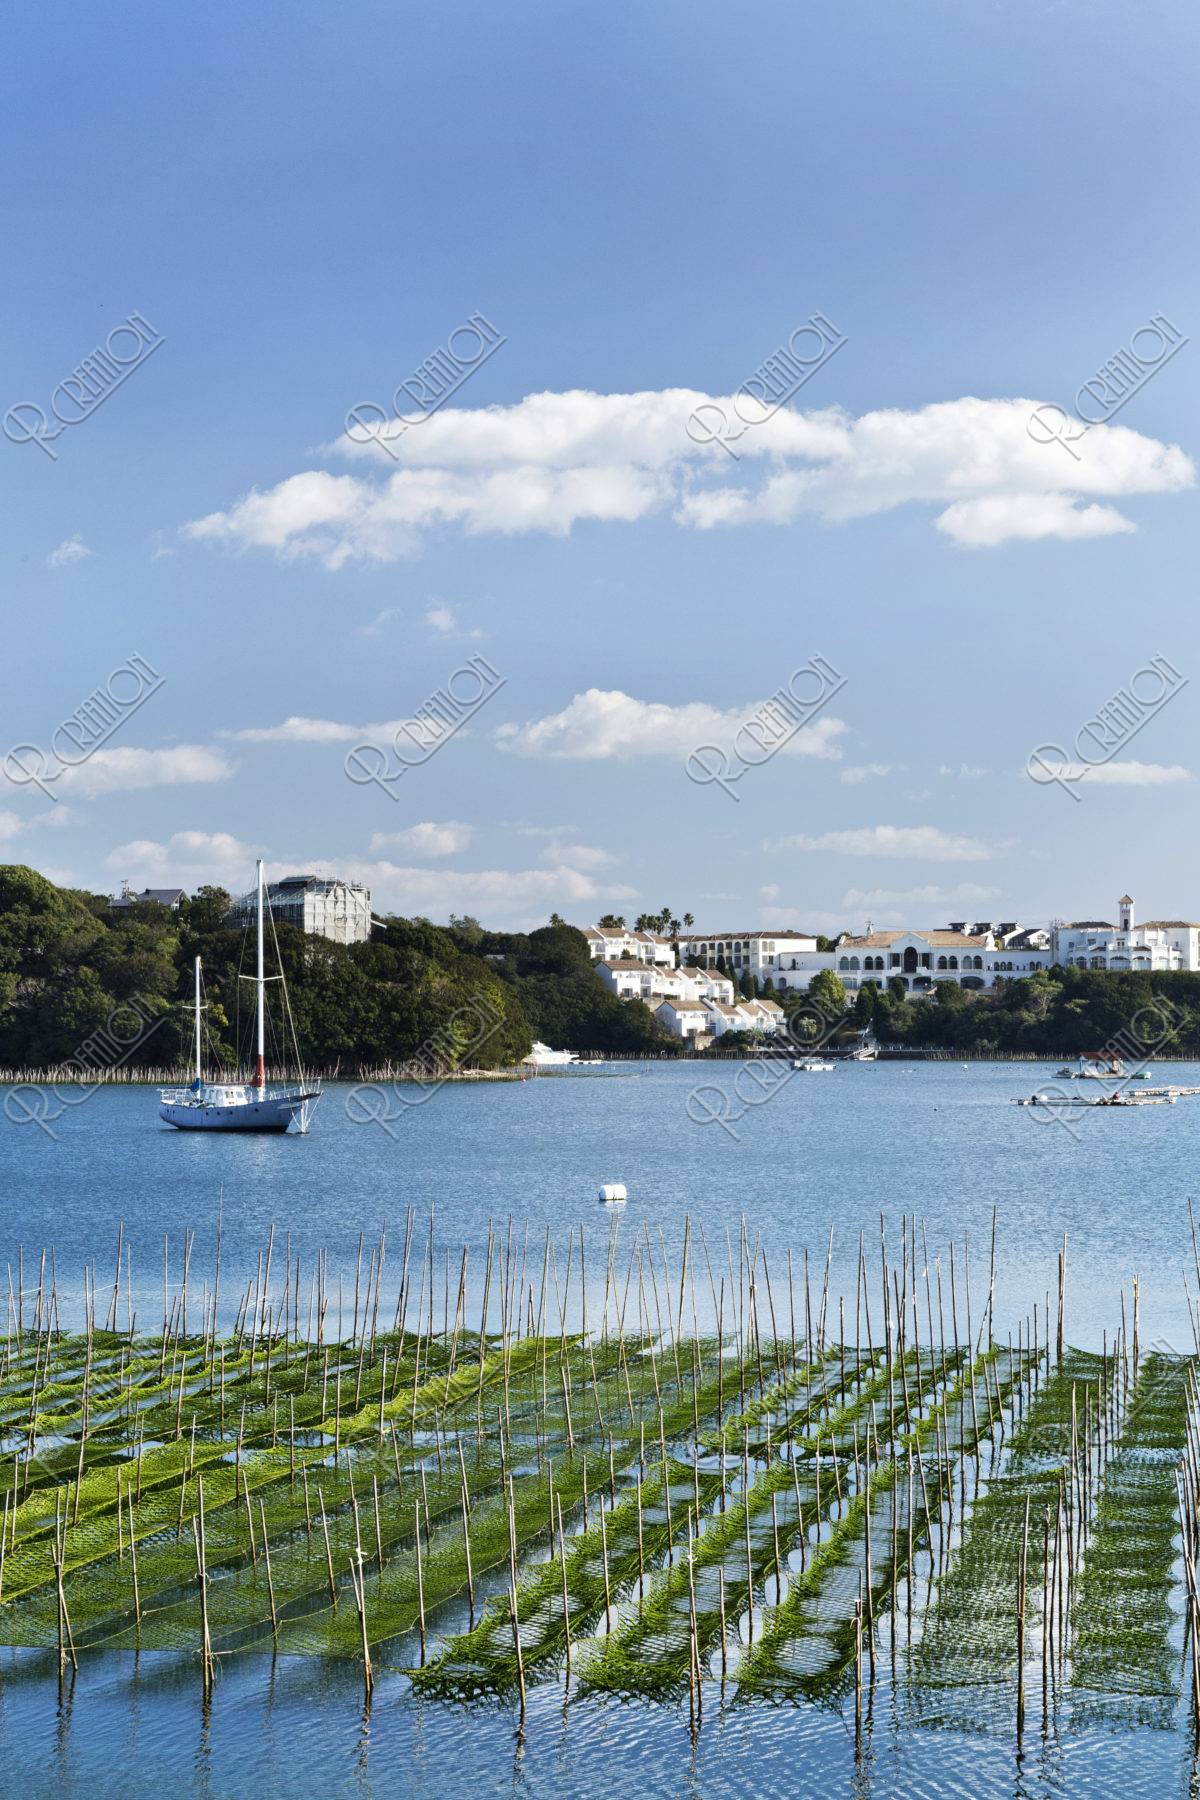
{"x": 1126, "y": 912}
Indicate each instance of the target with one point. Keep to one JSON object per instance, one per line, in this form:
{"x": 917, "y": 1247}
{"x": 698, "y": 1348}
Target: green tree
{"x": 826, "y": 993}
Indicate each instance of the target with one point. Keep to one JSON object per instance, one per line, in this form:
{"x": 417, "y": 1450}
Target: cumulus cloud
{"x": 577, "y": 856}
{"x": 125, "y": 770}
{"x": 501, "y": 896}
{"x": 72, "y": 549}
{"x": 188, "y": 859}
{"x": 1115, "y": 774}
{"x": 981, "y": 524}
{"x": 607, "y": 723}
{"x": 554, "y": 460}
{"x": 507, "y": 898}
{"x": 444, "y": 621}
{"x": 426, "y": 839}
{"x": 297, "y": 729}
{"x": 925, "y": 843}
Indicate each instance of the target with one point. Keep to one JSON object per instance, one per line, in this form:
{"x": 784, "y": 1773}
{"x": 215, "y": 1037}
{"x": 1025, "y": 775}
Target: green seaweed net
{"x": 646, "y": 1513}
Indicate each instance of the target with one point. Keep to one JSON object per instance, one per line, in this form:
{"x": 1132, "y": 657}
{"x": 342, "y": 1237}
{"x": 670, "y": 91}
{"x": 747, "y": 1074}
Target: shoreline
{"x": 591, "y": 1064}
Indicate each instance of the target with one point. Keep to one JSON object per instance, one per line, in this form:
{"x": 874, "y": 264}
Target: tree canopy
{"x": 416, "y": 990}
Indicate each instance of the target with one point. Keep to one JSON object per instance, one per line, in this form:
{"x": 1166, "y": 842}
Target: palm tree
{"x": 688, "y": 921}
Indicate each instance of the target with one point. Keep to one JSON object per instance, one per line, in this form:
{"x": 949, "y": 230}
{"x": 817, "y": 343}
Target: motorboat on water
{"x": 814, "y": 1067}
{"x": 543, "y": 1057}
{"x": 242, "y": 1106}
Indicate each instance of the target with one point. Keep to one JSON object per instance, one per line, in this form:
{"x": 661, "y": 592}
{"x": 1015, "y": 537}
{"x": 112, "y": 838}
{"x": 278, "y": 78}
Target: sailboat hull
{"x": 276, "y": 1112}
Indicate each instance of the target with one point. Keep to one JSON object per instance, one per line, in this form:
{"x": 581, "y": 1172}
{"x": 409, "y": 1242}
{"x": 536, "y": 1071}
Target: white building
{"x": 609, "y": 943}
{"x": 338, "y": 910}
{"x": 922, "y": 959}
{"x": 762, "y": 953}
{"x": 684, "y": 1018}
{"x": 796, "y": 971}
{"x": 765, "y": 1017}
{"x": 1159, "y": 944}
{"x": 630, "y": 979}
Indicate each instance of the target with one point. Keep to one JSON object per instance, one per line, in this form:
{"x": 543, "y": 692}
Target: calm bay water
{"x": 942, "y": 1141}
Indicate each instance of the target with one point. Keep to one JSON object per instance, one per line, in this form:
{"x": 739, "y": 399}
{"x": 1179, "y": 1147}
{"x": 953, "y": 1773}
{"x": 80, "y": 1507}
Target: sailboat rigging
{"x": 238, "y": 1106}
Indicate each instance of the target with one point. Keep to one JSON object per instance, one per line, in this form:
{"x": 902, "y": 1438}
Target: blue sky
{"x": 986, "y": 203}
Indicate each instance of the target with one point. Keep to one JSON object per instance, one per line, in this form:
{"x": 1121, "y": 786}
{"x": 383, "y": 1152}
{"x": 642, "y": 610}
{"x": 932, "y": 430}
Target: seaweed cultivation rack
{"x": 463, "y": 1474}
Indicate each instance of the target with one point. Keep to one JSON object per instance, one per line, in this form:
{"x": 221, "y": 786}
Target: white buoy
{"x": 613, "y": 1194}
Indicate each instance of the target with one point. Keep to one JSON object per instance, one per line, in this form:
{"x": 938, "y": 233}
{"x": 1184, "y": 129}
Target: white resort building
{"x": 921, "y": 959}
{"x": 761, "y": 953}
{"x": 632, "y": 980}
{"x": 1096, "y": 944}
{"x": 696, "y": 1001}
{"x": 609, "y": 943}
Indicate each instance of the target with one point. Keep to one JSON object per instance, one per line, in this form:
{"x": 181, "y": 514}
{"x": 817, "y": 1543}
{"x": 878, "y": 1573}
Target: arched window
{"x": 979, "y": 962}
{"x": 941, "y": 962}
{"x": 844, "y": 963}
{"x": 854, "y": 962}
{"x": 954, "y": 962}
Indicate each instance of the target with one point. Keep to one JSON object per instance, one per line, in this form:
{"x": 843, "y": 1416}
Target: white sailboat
{"x": 237, "y": 1106}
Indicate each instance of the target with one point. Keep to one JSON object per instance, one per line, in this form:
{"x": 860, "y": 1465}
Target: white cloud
{"x": 603, "y": 723}
{"x": 72, "y": 549}
{"x": 860, "y": 772}
{"x": 981, "y": 524}
{"x": 188, "y": 859}
{"x": 577, "y": 856}
{"x": 339, "y": 517}
{"x": 1118, "y": 774}
{"x": 506, "y": 898}
{"x": 770, "y": 891}
{"x": 299, "y": 730}
{"x": 444, "y": 621}
{"x": 426, "y": 839}
{"x": 118, "y": 771}
{"x": 557, "y": 459}
{"x": 53, "y": 818}
{"x": 924, "y": 843}
{"x": 964, "y": 772}
{"x": 513, "y": 898}
{"x": 966, "y": 893}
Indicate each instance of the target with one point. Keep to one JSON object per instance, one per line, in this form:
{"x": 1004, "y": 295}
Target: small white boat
{"x": 240, "y": 1106}
{"x": 613, "y": 1194}
{"x": 543, "y": 1057}
{"x": 814, "y": 1068}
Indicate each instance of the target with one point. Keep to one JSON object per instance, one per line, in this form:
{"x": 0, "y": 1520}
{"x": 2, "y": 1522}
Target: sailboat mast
{"x": 260, "y": 1075}
{"x": 199, "y": 1077}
